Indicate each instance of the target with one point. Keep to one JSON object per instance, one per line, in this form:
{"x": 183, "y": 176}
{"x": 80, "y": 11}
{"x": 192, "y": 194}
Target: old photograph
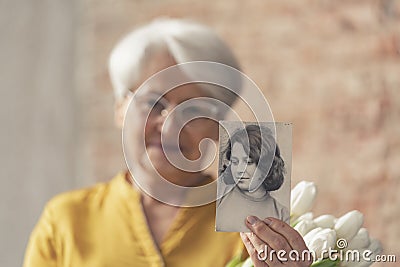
{"x": 254, "y": 173}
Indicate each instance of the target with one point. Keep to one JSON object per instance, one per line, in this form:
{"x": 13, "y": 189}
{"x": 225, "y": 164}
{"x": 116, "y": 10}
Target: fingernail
{"x": 267, "y": 221}
{"x": 252, "y": 220}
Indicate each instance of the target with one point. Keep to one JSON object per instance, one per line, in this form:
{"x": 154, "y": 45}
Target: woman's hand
{"x": 272, "y": 242}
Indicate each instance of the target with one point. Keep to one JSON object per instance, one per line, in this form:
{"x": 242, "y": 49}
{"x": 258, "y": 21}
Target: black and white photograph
{"x": 254, "y": 173}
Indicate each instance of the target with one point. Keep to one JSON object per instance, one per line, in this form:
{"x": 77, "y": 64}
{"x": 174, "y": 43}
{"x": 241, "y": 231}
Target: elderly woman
{"x": 119, "y": 224}
{"x": 249, "y": 179}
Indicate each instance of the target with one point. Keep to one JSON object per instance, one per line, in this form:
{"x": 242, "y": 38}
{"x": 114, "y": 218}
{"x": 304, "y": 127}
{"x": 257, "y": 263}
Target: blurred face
{"x": 188, "y": 136}
{"x": 163, "y": 120}
{"x": 243, "y": 168}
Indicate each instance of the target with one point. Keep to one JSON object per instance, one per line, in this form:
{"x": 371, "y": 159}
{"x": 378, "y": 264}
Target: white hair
{"x": 185, "y": 40}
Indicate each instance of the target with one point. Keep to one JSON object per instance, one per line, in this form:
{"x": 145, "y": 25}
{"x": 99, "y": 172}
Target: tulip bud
{"x": 322, "y": 241}
{"x": 349, "y": 224}
{"x": 362, "y": 262}
{"x": 304, "y": 226}
{"x": 325, "y": 221}
{"x": 361, "y": 240}
{"x": 310, "y": 235}
{"x": 305, "y": 217}
{"x": 302, "y": 198}
{"x": 375, "y": 247}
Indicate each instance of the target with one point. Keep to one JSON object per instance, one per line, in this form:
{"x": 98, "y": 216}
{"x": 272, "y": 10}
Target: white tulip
{"x": 325, "y": 221}
{"x": 304, "y": 226}
{"x": 308, "y": 216}
{"x": 367, "y": 256}
{"x": 361, "y": 240}
{"x": 302, "y": 198}
{"x": 375, "y": 247}
{"x": 322, "y": 241}
{"x": 349, "y": 224}
{"x": 310, "y": 235}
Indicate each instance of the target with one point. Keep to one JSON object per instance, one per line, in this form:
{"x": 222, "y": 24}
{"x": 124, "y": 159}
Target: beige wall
{"x": 39, "y": 112}
{"x": 330, "y": 67}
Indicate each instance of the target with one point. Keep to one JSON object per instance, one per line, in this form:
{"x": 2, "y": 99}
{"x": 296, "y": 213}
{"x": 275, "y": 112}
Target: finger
{"x": 273, "y": 239}
{"x": 295, "y": 240}
{"x": 257, "y": 243}
{"x": 293, "y": 237}
{"x": 252, "y": 251}
{"x": 264, "y": 253}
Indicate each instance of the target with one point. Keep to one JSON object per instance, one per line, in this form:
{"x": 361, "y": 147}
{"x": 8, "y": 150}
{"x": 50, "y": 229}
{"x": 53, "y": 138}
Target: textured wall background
{"x": 331, "y": 67}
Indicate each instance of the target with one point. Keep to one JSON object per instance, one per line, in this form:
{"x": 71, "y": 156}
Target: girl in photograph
{"x": 250, "y": 177}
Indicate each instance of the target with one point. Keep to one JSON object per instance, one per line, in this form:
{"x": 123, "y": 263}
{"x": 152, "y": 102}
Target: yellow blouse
{"x": 105, "y": 226}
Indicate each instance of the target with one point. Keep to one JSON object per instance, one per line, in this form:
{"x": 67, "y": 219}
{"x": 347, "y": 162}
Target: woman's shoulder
{"x": 79, "y": 200}
{"x": 77, "y": 196}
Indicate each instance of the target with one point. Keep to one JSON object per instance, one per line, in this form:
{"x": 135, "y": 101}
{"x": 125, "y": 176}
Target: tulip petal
{"x": 305, "y": 226}
{"x": 361, "y": 240}
{"x": 325, "y": 221}
{"x": 349, "y": 224}
{"x": 302, "y": 197}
